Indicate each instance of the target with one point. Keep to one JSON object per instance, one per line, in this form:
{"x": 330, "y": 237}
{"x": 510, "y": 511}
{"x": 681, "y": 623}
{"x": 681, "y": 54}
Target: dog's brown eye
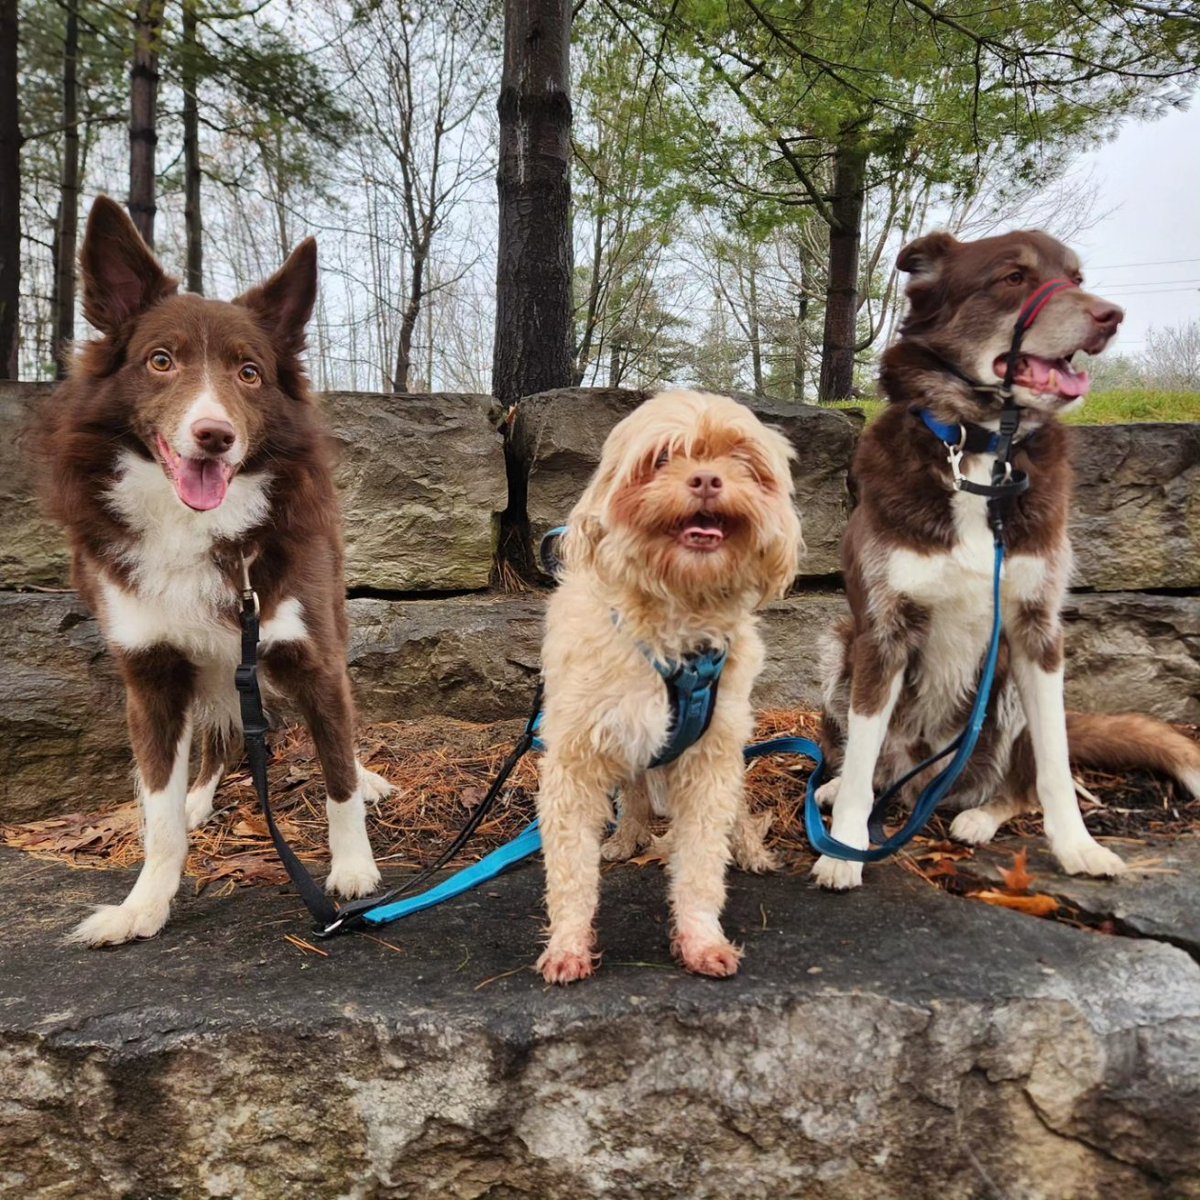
{"x": 249, "y": 373}
{"x": 160, "y": 360}
{"x": 1015, "y": 277}
{"x": 664, "y": 457}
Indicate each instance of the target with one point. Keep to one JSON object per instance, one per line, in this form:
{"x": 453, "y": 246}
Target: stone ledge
{"x": 896, "y": 1041}
{"x": 62, "y": 720}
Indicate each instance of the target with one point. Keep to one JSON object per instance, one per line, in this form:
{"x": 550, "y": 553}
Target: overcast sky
{"x": 1145, "y": 252}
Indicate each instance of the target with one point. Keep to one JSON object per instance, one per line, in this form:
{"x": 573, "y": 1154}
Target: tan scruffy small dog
{"x": 686, "y": 528}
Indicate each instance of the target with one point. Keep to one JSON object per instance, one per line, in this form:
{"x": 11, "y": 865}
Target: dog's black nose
{"x": 705, "y": 483}
{"x": 213, "y": 436}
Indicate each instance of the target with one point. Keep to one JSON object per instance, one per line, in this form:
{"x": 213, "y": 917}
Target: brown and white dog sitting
{"x": 918, "y": 562}
{"x": 184, "y": 442}
{"x": 687, "y": 526}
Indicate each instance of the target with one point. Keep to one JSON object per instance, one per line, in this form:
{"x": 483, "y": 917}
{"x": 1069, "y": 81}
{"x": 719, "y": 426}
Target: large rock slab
{"x": 1130, "y": 652}
{"x": 950, "y": 1050}
{"x": 32, "y": 549}
{"x": 421, "y": 479}
{"x": 557, "y": 436}
{"x": 62, "y": 724}
{"x": 63, "y": 743}
{"x": 1136, "y": 519}
{"x": 472, "y": 657}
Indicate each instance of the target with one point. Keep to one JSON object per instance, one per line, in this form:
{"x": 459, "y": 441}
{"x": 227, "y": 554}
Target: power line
{"x": 1166, "y": 262}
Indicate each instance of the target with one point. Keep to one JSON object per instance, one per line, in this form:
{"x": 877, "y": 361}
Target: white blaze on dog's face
{"x": 965, "y": 298}
{"x": 693, "y": 497}
{"x": 201, "y": 376}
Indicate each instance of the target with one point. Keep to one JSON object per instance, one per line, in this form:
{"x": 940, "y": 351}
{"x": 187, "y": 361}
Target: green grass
{"x": 1105, "y": 408}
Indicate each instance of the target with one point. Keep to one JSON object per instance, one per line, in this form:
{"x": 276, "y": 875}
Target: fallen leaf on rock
{"x": 1017, "y": 878}
{"x": 1040, "y": 905}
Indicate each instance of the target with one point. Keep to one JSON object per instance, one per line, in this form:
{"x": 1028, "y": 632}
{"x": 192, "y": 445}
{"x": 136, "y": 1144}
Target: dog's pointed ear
{"x": 923, "y": 258}
{"x": 121, "y": 276}
{"x": 284, "y": 304}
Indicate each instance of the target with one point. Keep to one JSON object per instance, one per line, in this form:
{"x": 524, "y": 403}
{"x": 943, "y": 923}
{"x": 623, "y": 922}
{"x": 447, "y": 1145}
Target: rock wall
{"x": 422, "y": 481}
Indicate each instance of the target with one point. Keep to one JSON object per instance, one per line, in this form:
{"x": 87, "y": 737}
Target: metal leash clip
{"x": 954, "y": 456}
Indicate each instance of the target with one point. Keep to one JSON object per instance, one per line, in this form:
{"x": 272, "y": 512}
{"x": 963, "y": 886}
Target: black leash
{"x": 331, "y": 918}
{"x": 254, "y": 729}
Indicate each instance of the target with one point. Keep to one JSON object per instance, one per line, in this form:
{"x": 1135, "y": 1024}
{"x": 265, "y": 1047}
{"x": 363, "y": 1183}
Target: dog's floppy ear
{"x": 924, "y": 257}
{"x": 121, "y": 277}
{"x": 284, "y": 304}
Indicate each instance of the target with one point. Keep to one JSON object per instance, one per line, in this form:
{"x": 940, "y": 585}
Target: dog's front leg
{"x": 159, "y": 684}
{"x": 1040, "y": 685}
{"x": 875, "y": 686}
{"x": 706, "y": 794}
{"x": 573, "y": 807}
{"x": 321, "y": 690}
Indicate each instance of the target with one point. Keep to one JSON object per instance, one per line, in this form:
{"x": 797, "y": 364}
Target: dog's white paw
{"x": 373, "y": 787}
{"x": 703, "y": 956}
{"x": 566, "y": 964}
{"x": 837, "y": 874}
{"x": 113, "y": 924}
{"x": 1087, "y": 857}
{"x": 974, "y": 826}
{"x": 353, "y": 877}
{"x": 199, "y": 806}
{"x": 826, "y": 794}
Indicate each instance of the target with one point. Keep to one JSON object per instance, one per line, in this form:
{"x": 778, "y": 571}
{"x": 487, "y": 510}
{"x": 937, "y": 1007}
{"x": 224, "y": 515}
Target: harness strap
{"x": 692, "y": 692}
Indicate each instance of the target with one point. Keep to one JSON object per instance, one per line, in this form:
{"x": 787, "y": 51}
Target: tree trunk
{"x": 593, "y": 301}
{"x": 800, "y": 362}
{"x": 841, "y": 296}
{"x": 755, "y": 330}
{"x": 68, "y": 204}
{"x": 533, "y": 274}
{"x": 143, "y": 106}
{"x": 532, "y": 349}
{"x": 10, "y": 192}
{"x": 412, "y": 310}
{"x": 192, "y": 219}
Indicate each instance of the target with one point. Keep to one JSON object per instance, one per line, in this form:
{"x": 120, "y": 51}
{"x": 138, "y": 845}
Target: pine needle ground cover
{"x": 442, "y": 769}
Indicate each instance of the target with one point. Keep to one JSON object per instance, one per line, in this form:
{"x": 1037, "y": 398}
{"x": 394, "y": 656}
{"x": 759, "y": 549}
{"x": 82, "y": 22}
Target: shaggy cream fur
{"x": 687, "y": 527}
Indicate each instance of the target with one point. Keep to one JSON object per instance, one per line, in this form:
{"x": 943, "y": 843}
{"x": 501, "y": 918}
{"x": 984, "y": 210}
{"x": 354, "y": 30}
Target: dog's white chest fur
{"x": 178, "y": 596}
{"x": 955, "y": 588}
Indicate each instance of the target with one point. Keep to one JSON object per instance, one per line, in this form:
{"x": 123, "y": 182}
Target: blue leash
{"x": 529, "y": 841}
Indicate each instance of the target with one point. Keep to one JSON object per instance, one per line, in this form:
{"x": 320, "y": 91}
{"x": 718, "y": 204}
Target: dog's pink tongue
{"x": 1044, "y": 375}
{"x": 201, "y": 483}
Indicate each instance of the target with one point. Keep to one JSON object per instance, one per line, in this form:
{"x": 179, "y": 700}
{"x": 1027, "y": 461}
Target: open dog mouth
{"x": 201, "y": 483}
{"x": 1046, "y": 376}
{"x": 703, "y": 531}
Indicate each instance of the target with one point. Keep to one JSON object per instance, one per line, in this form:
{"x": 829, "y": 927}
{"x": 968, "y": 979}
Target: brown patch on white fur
{"x": 686, "y": 528}
{"x": 917, "y": 557}
{"x": 186, "y": 437}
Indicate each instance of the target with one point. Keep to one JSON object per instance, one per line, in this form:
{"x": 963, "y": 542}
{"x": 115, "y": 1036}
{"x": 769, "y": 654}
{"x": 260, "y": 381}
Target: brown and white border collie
{"x": 918, "y": 563}
{"x": 185, "y": 441}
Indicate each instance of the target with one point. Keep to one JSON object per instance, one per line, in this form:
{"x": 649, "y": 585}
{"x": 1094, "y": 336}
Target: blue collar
{"x": 959, "y": 436}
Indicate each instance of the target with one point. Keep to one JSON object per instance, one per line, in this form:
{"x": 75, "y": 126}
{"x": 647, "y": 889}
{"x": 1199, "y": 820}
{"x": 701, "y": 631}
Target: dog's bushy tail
{"x": 1129, "y": 741}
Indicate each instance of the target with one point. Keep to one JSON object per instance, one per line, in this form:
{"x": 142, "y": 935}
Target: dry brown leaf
{"x": 647, "y": 859}
{"x": 1040, "y": 905}
{"x": 1017, "y": 878}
